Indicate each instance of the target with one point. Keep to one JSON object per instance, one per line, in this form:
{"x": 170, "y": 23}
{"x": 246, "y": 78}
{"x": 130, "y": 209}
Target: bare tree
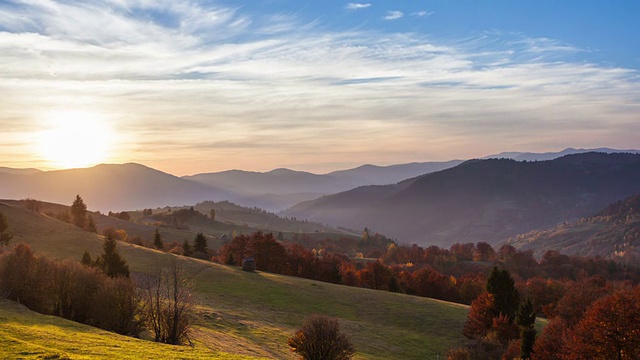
{"x": 169, "y": 304}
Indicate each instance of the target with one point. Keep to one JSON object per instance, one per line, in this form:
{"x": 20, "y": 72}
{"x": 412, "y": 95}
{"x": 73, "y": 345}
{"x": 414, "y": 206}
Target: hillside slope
{"x": 482, "y": 200}
{"x": 613, "y": 232}
{"x": 254, "y": 313}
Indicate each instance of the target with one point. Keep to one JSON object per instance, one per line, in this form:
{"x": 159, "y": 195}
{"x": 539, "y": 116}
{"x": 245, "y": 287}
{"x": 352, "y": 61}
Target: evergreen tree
{"x": 110, "y": 261}
{"x": 4, "y": 236}
{"x": 186, "y": 248}
{"x": 526, "y": 319}
{"x": 86, "y": 259}
{"x": 200, "y": 243}
{"x": 506, "y": 297}
{"x": 157, "y": 240}
{"x": 91, "y": 225}
{"x": 79, "y": 212}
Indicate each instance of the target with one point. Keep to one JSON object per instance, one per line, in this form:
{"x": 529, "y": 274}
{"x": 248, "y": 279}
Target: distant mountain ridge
{"x": 279, "y": 189}
{"x": 109, "y": 187}
{"x": 482, "y": 200}
{"x": 529, "y": 156}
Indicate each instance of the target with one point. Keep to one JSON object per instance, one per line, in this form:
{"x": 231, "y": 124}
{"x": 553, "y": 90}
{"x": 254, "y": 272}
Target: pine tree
{"x": 506, "y": 297}
{"x": 86, "y": 259}
{"x": 186, "y": 248}
{"x": 526, "y": 319}
{"x": 110, "y": 261}
{"x": 79, "y": 212}
{"x": 200, "y": 243}
{"x": 157, "y": 240}
{"x": 91, "y": 225}
{"x": 4, "y": 236}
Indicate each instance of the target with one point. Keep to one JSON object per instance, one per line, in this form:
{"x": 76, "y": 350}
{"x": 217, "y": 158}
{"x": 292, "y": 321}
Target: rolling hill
{"x": 248, "y": 314}
{"x": 613, "y": 232}
{"x": 482, "y": 200}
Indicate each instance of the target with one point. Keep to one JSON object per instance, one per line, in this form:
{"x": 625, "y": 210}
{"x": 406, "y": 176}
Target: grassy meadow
{"x": 246, "y": 314}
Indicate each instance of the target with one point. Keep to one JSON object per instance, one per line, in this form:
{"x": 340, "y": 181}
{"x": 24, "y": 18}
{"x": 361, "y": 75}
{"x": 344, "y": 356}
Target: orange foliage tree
{"x": 610, "y": 329}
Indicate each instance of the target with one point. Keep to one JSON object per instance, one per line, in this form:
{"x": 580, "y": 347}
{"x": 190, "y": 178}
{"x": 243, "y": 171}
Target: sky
{"x": 200, "y": 86}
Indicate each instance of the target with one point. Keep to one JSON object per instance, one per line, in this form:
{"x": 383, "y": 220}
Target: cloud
{"x": 393, "y": 15}
{"x": 422, "y": 13}
{"x": 213, "y": 91}
{"x": 357, "y": 6}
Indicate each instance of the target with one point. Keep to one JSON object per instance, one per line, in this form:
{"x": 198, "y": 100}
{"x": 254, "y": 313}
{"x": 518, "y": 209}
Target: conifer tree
{"x": 506, "y": 297}
{"x": 200, "y": 243}
{"x": 79, "y": 212}
{"x": 157, "y": 240}
{"x": 526, "y": 319}
{"x": 186, "y": 248}
{"x": 4, "y": 235}
{"x": 110, "y": 261}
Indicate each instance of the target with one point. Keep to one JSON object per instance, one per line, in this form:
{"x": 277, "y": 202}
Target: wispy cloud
{"x": 422, "y": 13}
{"x": 393, "y": 15}
{"x": 357, "y": 6}
{"x": 213, "y": 91}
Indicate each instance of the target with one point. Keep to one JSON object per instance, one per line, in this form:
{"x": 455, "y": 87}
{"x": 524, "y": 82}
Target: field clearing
{"x": 253, "y": 314}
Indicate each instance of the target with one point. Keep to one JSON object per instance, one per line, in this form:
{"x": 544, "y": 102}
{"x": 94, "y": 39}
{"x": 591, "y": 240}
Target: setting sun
{"x": 75, "y": 139}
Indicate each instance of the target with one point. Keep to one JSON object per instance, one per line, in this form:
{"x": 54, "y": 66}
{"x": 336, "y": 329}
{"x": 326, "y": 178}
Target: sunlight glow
{"x": 75, "y": 139}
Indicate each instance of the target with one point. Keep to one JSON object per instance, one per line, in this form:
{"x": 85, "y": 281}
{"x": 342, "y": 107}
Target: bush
{"x": 320, "y": 338}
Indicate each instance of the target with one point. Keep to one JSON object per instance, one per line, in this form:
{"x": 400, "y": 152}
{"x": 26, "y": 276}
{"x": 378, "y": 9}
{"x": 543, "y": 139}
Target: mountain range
{"x": 482, "y": 200}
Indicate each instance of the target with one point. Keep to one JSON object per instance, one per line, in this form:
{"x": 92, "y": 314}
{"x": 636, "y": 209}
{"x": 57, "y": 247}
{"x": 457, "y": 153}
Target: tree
{"x": 506, "y": 297}
{"x": 79, "y": 212}
{"x": 110, "y": 261}
{"x": 5, "y": 237}
{"x": 168, "y": 304}
{"x": 610, "y": 329}
{"x": 320, "y": 338}
{"x": 91, "y": 225}
{"x": 212, "y": 214}
{"x": 86, "y": 259}
{"x": 157, "y": 240}
{"x": 200, "y": 243}
{"x": 186, "y": 248}
{"x": 480, "y": 318}
{"x": 526, "y": 319}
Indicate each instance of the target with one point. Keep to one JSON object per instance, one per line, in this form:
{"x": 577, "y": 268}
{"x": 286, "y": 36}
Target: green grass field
{"x": 253, "y": 314}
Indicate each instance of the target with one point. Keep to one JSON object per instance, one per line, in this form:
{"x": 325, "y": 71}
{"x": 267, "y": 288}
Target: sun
{"x": 75, "y": 139}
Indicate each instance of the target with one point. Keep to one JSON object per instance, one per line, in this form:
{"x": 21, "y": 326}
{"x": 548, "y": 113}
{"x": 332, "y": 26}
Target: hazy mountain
{"x": 527, "y": 156}
{"x": 109, "y": 187}
{"x": 613, "y": 232}
{"x": 281, "y": 188}
{"x": 482, "y": 200}
{"x": 7, "y": 170}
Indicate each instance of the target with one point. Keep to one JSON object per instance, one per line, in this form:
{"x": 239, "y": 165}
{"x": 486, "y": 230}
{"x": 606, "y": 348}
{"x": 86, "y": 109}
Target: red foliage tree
{"x": 550, "y": 343}
{"x": 610, "y": 329}
{"x": 480, "y": 318}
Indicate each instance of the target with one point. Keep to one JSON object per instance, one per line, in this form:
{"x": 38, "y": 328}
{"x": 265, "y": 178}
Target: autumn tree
{"x": 157, "y": 240}
{"x": 480, "y": 318}
{"x": 320, "y": 338}
{"x": 4, "y": 235}
{"x": 549, "y": 345}
{"x": 610, "y": 329}
{"x": 110, "y": 261}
